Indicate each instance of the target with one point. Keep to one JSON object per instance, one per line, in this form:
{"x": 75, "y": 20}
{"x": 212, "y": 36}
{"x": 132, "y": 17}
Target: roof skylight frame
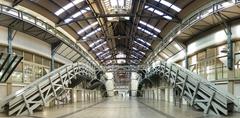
{"x": 103, "y": 54}
{"x": 107, "y": 57}
{"x": 170, "y": 5}
{"x": 145, "y": 42}
{"x": 100, "y": 45}
{"x": 134, "y": 56}
{"x": 121, "y": 55}
{"x": 150, "y": 26}
{"x": 99, "y": 53}
{"x": 158, "y": 12}
{"x": 95, "y": 43}
{"x": 134, "y": 62}
{"x": 117, "y": 7}
{"x": 77, "y": 14}
{"x": 67, "y": 6}
{"x": 88, "y": 27}
{"x": 140, "y": 52}
{"x": 108, "y": 62}
{"x": 92, "y": 33}
{"x": 141, "y": 45}
{"x": 147, "y": 32}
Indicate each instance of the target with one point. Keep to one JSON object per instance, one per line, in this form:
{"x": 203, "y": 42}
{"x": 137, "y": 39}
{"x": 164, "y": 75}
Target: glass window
{"x": 45, "y": 70}
{"x": 38, "y": 71}
{"x": 3, "y": 49}
{"x": 18, "y": 52}
{"x": 201, "y": 56}
{"x": 38, "y": 59}
{"x": 211, "y": 52}
{"x": 17, "y": 75}
{"x": 28, "y": 72}
{"x": 46, "y": 62}
{"x": 28, "y": 56}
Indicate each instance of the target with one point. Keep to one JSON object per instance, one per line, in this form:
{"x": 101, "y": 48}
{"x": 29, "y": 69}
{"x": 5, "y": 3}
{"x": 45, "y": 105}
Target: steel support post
{"x": 10, "y": 39}
{"x": 230, "y": 48}
{"x": 228, "y": 32}
{"x": 11, "y": 35}
{"x": 52, "y": 58}
{"x": 186, "y": 58}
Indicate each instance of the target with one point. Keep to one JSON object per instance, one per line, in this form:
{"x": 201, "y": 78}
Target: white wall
{"x": 215, "y": 38}
{"x": 29, "y": 43}
{"x": 110, "y": 84}
{"x": 45, "y": 19}
{"x": 212, "y": 39}
{"x": 134, "y": 83}
{"x": 4, "y": 90}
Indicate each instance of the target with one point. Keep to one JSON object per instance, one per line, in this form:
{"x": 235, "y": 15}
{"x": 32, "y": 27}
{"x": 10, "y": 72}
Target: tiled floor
{"x": 183, "y": 112}
{"x": 118, "y": 107}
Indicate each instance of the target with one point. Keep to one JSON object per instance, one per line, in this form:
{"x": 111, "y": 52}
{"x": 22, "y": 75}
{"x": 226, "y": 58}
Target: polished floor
{"x": 119, "y": 107}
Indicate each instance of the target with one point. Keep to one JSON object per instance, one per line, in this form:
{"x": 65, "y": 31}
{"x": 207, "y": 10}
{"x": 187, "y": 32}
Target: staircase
{"x": 8, "y": 64}
{"x": 197, "y": 91}
{"x": 51, "y": 86}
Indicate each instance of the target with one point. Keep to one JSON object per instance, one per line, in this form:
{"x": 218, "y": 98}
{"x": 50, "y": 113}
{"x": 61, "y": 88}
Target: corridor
{"x": 119, "y": 107}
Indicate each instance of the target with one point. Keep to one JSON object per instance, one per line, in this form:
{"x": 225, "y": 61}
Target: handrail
{"x": 199, "y": 79}
{"x": 205, "y": 82}
{"x": 36, "y": 82}
{"x": 48, "y": 28}
{"x": 201, "y": 13}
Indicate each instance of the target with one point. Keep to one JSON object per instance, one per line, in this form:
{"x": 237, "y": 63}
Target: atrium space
{"x": 120, "y": 58}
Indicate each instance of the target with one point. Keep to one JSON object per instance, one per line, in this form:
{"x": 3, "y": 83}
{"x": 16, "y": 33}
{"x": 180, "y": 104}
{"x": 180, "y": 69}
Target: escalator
{"x": 197, "y": 91}
{"x": 8, "y": 63}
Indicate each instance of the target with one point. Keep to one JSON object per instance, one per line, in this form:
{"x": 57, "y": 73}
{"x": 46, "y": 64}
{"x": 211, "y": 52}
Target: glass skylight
{"x": 99, "y": 53}
{"x": 121, "y": 61}
{"x": 107, "y": 56}
{"x": 146, "y": 31}
{"x": 141, "y": 40}
{"x": 81, "y": 12}
{"x": 117, "y": 7}
{"x": 121, "y": 55}
{"x": 142, "y": 52}
{"x": 141, "y": 44}
{"x": 92, "y": 33}
{"x": 138, "y": 51}
{"x": 168, "y": 17}
{"x": 68, "y": 6}
{"x": 134, "y": 62}
{"x": 106, "y": 49}
{"x": 149, "y": 26}
{"x": 110, "y": 61}
{"x": 135, "y": 52}
{"x": 87, "y": 28}
{"x": 160, "y": 13}
{"x": 103, "y": 43}
{"x": 95, "y": 43}
{"x": 103, "y": 54}
{"x": 135, "y": 49}
{"x": 168, "y": 4}
{"x": 134, "y": 56}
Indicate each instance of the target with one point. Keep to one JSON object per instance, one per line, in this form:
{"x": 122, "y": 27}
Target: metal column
{"x": 11, "y": 35}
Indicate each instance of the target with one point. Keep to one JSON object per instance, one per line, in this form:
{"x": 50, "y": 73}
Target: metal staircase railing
{"x": 46, "y": 89}
{"x": 196, "y": 90}
{"x": 8, "y": 64}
